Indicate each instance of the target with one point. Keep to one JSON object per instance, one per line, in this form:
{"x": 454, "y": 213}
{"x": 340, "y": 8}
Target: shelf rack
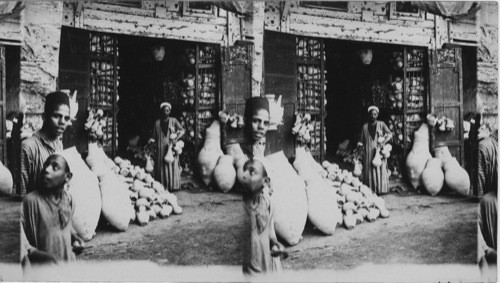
{"x": 200, "y": 95}
{"x": 104, "y": 77}
{"x": 311, "y": 84}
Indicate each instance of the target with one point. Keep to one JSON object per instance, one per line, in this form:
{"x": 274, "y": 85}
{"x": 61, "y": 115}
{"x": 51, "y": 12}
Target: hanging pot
{"x": 366, "y": 56}
{"x": 169, "y": 157}
{"x": 377, "y": 160}
{"x": 149, "y": 164}
{"x": 276, "y": 111}
{"x": 159, "y": 53}
{"x": 431, "y": 120}
{"x": 6, "y": 181}
{"x": 357, "y": 169}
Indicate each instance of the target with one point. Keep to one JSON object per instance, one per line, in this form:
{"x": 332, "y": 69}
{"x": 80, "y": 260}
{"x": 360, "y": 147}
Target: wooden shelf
{"x": 312, "y": 112}
{"x": 306, "y": 81}
{"x": 205, "y": 108}
{"x": 309, "y": 61}
{"x": 106, "y": 100}
{"x": 414, "y": 69}
{"x": 202, "y": 66}
{"x": 415, "y": 111}
{"x": 101, "y": 57}
{"x": 395, "y": 112}
{"x": 404, "y": 73}
{"x": 102, "y": 106}
{"x": 109, "y": 76}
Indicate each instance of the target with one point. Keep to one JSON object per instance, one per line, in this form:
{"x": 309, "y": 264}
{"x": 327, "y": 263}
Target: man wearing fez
{"x": 44, "y": 142}
{"x": 256, "y": 125}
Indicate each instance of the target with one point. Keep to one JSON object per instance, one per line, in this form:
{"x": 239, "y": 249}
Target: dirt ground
{"x": 9, "y": 229}
{"x": 420, "y": 230}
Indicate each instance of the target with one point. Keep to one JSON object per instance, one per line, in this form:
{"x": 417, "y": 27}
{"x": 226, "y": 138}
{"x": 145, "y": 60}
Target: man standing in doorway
{"x": 46, "y": 141}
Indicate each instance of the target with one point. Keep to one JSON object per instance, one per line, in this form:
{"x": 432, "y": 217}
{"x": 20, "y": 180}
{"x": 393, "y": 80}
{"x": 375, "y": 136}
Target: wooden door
{"x": 74, "y": 75}
{"x": 280, "y": 79}
{"x": 236, "y": 85}
{"x": 3, "y": 141}
{"x": 446, "y": 98}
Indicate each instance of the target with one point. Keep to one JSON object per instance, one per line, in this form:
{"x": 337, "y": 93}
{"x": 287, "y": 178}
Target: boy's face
{"x": 55, "y": 173}
{"x": 57, "y": 121}
{"x": 260, "y": 124}
{"x": 253, "y": 179}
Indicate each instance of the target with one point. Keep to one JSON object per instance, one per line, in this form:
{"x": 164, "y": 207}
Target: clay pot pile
{"x": 356, "y": 200}
{"x": 208, "y": 84}
{"x": 395, "y": 124}
{"x": 397, "y": 94}
{"x": 416, "y": 92}
{"x": 415, "y": 57}
{"x": 309, "y": 87}
{"x": 102, "y": 44}
{"x": 188, "y": 90}
{"x": 148, "y": 196}
{"x": 187, "y": 120}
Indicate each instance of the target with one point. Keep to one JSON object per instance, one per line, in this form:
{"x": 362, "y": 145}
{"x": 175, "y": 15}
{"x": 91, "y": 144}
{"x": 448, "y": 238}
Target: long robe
{"x": 487, "y": 223}
{"x": 487, "y": 167}
{"x": 168, "y": 174}
{"x": 377, "y": 178}
{"x": 46, "y": 226}
{"x": 259, "y": 226}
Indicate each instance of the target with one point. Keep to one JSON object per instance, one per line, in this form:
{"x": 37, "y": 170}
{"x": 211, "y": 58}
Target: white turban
{"x": 165, "y": 104}
{"x": 373, "y": 107}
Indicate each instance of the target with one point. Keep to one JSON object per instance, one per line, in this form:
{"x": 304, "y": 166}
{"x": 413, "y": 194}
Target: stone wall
{"x": 10, "y": 30}
{"x": 154, "y": 19}
{"x": 41, "y": 32}
{"x": 363, "y": 21}
{"x": 258, "y": 56}
{"x": 487, "y": 61}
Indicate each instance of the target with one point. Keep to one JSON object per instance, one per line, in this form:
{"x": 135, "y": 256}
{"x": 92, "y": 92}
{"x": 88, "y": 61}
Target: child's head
{"x": 55, "y": 173}
{"x": 254, "y": 177}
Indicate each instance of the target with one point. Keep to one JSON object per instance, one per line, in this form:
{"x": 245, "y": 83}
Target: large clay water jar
{"x": 276, "y": 111}
{"x": 6, "y": 182}
{"x": 210, "y": 153}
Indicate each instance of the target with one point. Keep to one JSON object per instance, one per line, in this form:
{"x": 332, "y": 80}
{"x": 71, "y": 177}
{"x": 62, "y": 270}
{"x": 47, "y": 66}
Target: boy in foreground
{"x": 47, "y": 234}
{"x": 263, "y": 243}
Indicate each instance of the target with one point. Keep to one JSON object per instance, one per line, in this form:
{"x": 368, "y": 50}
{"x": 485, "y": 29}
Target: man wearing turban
{"x": 376, "y": 177}
{"x": 167, "y": 172}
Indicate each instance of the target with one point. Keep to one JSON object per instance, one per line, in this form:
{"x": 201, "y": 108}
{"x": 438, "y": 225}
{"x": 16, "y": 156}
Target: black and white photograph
{"x": 249, "y": 141}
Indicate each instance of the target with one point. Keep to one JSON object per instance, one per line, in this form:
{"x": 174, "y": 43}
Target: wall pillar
{"x": 254, "y": 27}
{"x": 487, "y": 62}
{"x": 41, "y": 32}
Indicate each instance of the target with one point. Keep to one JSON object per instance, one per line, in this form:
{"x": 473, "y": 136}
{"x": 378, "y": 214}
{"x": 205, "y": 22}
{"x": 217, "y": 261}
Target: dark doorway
{"x": 145, "y": 83}
{"x": 349, "y": 88}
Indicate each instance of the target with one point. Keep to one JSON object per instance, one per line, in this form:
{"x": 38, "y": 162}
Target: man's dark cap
{"x": 254, "y": 104}
{"x": 54, "y": 99}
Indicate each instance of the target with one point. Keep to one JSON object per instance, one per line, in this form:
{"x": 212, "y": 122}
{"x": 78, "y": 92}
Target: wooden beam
{"x": 285, "y": 10}
{"x": 78, "y": 9}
